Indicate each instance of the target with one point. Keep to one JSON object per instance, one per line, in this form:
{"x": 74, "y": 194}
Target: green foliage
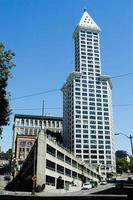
{"x": 121, "y": 165}
{"x": 131, "y": 164}
{"x": 7, "y": 155}
{"x": 5, "y": 72}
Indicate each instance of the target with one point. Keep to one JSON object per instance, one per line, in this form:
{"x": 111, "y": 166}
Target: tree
{"x": 131, "y": 164}
{"x": 6, "y": 155}
{"x": 6, "y": 65}
{"x": 121, "y": 164}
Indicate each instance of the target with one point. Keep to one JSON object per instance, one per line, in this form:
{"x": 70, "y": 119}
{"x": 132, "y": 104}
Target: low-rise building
{"x": 51, "y": 166}
{"x": 28, "y": 126}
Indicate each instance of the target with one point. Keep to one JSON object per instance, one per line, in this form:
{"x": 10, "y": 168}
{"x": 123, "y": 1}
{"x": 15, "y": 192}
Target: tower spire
{"x": 88, "y": 23}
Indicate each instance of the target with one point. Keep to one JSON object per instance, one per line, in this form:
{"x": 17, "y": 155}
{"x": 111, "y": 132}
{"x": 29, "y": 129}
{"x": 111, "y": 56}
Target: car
{"x": 103, "y": 182}
{"x": 7, "y": 177}
{"x": 86, "y": 186}
{"x": 94, "y": 184}
{"x": 119, "y": 184}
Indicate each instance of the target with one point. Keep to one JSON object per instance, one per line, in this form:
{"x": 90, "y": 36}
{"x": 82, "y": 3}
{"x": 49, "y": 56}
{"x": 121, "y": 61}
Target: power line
{"x": 35, "y": 94}
{"x": 51, "y": 108}
{"x": 54, "y": 90}
{"x": 123, "y": 105}
{"x": 123, "y": 75}
{"x": 54, "y": 108}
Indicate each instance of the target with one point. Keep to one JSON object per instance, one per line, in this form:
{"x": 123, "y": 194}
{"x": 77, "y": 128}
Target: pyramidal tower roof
{"x": 88, "y": 23}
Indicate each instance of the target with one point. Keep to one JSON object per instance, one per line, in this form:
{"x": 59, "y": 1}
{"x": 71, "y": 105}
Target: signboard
{"x": 34, "y": 178}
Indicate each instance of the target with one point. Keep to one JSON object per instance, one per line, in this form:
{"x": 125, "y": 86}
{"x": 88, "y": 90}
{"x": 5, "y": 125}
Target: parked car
{"x": 86, "y": 186}
{"x": 94, "y": 184}
{"x": 119, "y": 184}
{"x": 7, "y": 177}
{"x": 103, "y": 182}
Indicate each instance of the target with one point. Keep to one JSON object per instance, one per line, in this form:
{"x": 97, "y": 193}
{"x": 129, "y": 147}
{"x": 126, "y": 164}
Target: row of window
{"x": 52, "y": 151}
{"x": 63, "y": 170}
{"x": 93, "y": 146}
{"x": 30, "y": 122}
{"x": 88, "y": 33}
{"x": 25, "y": 143}
{"x": 91, "y": 136}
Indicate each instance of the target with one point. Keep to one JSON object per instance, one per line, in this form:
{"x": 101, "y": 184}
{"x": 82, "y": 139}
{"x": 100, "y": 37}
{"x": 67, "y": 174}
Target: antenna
{"x": 85, "y": 9}
{"x": 43, "y": 108}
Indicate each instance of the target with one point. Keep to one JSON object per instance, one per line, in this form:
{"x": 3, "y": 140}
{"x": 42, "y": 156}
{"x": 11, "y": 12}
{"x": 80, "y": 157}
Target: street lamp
{"x": 129, "y": 137}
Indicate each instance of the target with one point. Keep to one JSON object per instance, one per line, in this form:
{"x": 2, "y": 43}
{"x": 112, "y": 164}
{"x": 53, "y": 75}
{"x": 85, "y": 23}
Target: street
{"x": 102, "y": 192}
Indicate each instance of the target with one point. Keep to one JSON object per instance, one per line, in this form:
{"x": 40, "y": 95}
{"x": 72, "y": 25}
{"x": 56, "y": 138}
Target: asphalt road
{"x": 64, "y": 198}
{"x": 108, "y": 194}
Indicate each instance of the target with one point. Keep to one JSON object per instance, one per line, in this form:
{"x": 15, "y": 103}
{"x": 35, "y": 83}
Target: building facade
{"x": 87, "y": 101}
{"x": 23, "y": 146}
{"x": 54, "y": 167}
{"x": 26, "y": 129}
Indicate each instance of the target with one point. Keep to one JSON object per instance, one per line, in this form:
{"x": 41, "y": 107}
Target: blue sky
{"x": 40, "y": 33}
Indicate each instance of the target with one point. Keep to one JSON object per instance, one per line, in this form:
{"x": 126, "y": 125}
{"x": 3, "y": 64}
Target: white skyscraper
{"x": 87, "y": 101}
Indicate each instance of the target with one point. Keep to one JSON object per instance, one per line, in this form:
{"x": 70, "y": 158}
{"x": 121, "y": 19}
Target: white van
{"x": 86, "y": 186}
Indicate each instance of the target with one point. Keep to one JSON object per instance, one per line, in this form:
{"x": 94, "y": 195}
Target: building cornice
{"x": 37, "y": 117}
{"x": 107, "y": 78}
{"x": 70, "y": 78}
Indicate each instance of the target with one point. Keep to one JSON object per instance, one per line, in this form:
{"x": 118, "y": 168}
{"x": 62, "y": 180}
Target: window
{"x": 21, "y": 149}
{"x": 21, "y": 130}
{"x": 78, "y": 136}
{"x": 85, "y": 146}
{"x": 85, "y": 126}
{"x": 86, "y": 151}
{"x": 26, "y": 131}
{"x": 93, "y": 151}
{"x": 101, "y": 147}
{"x": 101, "y": 152}
{"x": 22, "y": 143}
{"x": 93, "y": 141}
{"x": 78, "y": 141}
{"x": 29, "y": 144}
{"x": 68, "y": 160}
{"x": 30, "y": 131}
{"x": 85, "y": 136}
{"x": 50, "y": 180}
{"x": 27, "y": 122}
{"x": 78, "y": 145}
{"x": 93, "y": 136}
{"x": 85, "y": 141}
{"x": 93, "y": 146}
{"x": 36, "y": 123}
{"x": 85, "y": 131}
{"x": 94, "y": 156}
{"x": 50, "y": 165}
{"x": 60, "y": 155}
{"x": 31, "y": 122}
{"x": 86, "y": 156}
{"x": 101, "y": 157}
{"x": 50, "y": 150}
{"x": 60, "y": 169}
{"x": 22, "y": 122}
{"x": 78, "y": 151}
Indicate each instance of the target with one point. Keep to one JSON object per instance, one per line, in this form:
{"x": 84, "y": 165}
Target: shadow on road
{"x": 127, "y": 190}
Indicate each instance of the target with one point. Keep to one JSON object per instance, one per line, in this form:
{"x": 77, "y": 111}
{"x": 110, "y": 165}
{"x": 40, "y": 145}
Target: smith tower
{"x": 87, "y": 101}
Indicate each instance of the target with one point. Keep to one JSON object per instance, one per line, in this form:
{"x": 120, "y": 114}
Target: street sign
{"x": 34, "y": 178}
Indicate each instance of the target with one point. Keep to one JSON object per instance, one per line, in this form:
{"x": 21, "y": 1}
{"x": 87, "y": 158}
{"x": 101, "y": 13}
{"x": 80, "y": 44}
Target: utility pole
{"x": 131, "y": 137}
